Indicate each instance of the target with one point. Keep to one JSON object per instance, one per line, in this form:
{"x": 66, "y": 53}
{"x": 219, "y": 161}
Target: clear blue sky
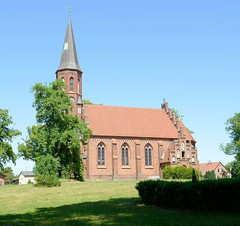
{"x": 132, "y": 53}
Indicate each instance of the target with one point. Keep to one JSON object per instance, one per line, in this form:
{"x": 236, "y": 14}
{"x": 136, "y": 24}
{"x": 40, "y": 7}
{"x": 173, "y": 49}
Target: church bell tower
{"x": 70, "y": 72}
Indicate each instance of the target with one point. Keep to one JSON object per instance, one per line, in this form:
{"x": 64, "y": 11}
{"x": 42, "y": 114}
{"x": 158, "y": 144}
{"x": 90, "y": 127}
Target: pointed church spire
{"x": 69, "y": 58}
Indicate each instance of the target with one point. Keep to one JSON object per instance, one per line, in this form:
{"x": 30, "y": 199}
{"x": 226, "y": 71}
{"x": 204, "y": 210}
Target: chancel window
{"x": 71, "y": 84}
{"x": 148, "y": 155}
{"x": 125, "y": 157}
{"x": 101, "y": 155}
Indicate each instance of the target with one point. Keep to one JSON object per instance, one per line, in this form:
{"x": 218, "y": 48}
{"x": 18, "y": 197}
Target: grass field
{"x": 94, "y": 203}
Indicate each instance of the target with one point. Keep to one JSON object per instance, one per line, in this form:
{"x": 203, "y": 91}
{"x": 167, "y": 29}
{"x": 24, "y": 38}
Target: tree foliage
{"x": 177, "y": 114}
{"x": 89, "y": 102}
{"x": 234, "y": 168}
{"x": 5, "y": 170}
{"x": 6, "y": 136}
{"x": 233, "y": 128}
{"x": 210, "y": 175}
{"x": 57, "y": 133}
{"x": 47, "y": 165}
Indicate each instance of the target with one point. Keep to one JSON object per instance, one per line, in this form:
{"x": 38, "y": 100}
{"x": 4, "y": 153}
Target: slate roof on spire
{"x": 69, "y": 58}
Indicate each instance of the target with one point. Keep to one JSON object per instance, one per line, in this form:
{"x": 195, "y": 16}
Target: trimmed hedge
{"x": 220, "y": 195}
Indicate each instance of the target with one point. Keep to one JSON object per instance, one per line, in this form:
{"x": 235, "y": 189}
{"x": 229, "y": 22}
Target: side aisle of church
{"x": 127, "y": 142}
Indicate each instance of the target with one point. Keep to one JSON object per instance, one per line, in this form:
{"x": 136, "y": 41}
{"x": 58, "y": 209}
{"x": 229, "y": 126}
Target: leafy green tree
{"x": 57, "y": 133}
{"x": 234, "y": 168}
{"x": 47, "y": 165}
{"x": 233, "y": 128}
{"x": 178, "y": 116}
{"x": 210, "y": 175}
{"x": 89, "y": 102}
{"x": 8, "y": 169}
{"x": 6, "y": 136}
{"x": 8, "y": 172}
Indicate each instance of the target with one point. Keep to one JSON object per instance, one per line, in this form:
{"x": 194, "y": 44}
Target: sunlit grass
{"x": 94, "y": 203}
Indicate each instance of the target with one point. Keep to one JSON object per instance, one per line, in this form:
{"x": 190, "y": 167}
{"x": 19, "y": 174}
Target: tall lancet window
{"x": 148, "y": 155}
{"x": 101, "y": 154}
{"x": 71, "y": 84}
{"x": 125, "y": 160}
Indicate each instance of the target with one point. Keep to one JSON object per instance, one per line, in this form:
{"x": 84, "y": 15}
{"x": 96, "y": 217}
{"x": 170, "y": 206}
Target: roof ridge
{"x": 122, "y": 106}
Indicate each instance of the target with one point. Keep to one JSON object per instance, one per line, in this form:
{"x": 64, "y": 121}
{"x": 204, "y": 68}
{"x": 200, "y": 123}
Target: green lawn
{"x": 94, "y": 203}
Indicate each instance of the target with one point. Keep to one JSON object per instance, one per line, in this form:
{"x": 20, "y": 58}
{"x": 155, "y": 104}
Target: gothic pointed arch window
{"x": 101, "y": 154}
{"x": 125, "y": 155}
{"x": 71, "y": 84}
{"x": 148, "y": 155}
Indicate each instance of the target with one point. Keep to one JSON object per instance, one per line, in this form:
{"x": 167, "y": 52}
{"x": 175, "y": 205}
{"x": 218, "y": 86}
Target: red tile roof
{"x": 204, "y": 167}
{"x": 129, "y": 122}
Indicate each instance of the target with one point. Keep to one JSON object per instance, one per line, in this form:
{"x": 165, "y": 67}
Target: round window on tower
{"x": 72, "y": 99}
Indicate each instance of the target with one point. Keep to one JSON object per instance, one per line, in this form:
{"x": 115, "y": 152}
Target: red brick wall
{"x": 77, "y": 85}
{"x": 113, "y": 168}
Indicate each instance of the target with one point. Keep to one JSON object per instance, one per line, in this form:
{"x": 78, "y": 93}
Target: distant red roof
{"x": 130, "y": 122}
{"x": 204, "y": 167}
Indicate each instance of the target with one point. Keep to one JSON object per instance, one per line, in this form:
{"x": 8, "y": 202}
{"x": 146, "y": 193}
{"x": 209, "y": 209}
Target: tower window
{"x": 101, "y": 154}
{"x": 125, "y": 153}
{"x": 71, "y": 84}
{"x": 63, "y": 79}
{"x": 148, "y": 155}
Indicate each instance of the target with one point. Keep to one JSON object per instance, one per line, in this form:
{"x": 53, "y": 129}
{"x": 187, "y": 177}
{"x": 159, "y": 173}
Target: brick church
{"x": 127, "y": 142}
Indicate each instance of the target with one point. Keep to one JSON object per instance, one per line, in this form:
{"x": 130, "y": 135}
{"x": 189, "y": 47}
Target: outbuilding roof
{"x": 28, "y": 173}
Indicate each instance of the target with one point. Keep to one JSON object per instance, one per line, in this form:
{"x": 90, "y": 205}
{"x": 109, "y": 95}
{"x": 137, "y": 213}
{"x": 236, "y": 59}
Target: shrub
{"x": 47, "y": 181}
{"x": 220, "y": 195}
{"x": 180, "y": 172}
{"x": 167, "y": 172}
